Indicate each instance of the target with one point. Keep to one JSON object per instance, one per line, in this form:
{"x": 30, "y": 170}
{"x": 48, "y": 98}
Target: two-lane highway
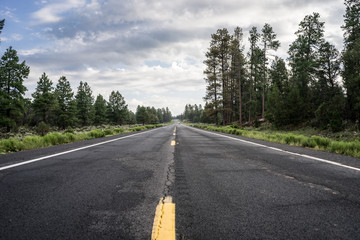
{"x": 224, "y": 187}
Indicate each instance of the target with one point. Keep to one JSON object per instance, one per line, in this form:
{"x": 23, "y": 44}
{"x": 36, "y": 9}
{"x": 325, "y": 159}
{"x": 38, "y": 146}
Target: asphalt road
{"x": 223, "y": 188}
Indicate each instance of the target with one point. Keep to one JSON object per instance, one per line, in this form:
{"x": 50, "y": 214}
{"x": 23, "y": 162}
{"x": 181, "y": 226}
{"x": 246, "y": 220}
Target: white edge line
{"x": 281, "y": 150}
{"x": 73, "y": 150}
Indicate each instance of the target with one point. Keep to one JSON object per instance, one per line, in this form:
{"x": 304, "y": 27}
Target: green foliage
{"x": 11, "y": 145}
{"x": 100, "y": 110}
{"x": 54, "y": 138}
{"x": 96, "y": 133}
{"x": 2, "y": 23}
{"x": 84, "y": 104}
{"x": 44, "y": 98}
{"x": 336, "y": 124}
{"x": 117, "y": 108}
{"x": 12, "y": 90}
{"x": 65, "y": 104}
{"x": 42, "y": 129}
{"x": 119, "y": 130}
{"x": 150, "y": 115}
{"x": 69, "y": 130}
{"x": 108, "y": 131}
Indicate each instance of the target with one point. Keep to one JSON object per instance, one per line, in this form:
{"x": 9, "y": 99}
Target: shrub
{"x": 69, "y": 130}
{"x": 71, "y": 137}
{"x": 321, "y": 142}
{"x": 11, "y": 145}
{"x": 119, "y": 130}
{"x": 32, "y": 142}
{"x": 308, "y": 142}
{"x": 54, "y": 138}
{"x": 42, "y": 129}
{"x": 108, "y": 131}
{"x": 96, "y": 133}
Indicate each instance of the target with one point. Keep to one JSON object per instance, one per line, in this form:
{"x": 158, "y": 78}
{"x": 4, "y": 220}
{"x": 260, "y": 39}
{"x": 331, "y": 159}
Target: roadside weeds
{"x": 315, "y": 142}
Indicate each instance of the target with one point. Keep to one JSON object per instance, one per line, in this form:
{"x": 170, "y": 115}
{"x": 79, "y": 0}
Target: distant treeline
{"x": 306, "y": 88}
{"x": 60, "y": 106}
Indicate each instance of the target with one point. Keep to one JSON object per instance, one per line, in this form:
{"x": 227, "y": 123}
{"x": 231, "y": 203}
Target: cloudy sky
{"x": 151, "y": 51}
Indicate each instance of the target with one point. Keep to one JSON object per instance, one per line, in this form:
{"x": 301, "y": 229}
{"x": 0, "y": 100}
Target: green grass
{"x": 350, "y": 148}
{"x": 55, "y": 138}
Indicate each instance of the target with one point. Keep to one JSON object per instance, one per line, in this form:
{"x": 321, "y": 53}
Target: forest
{"x": 317, "y": 85}
{"x": 58, "y": 106}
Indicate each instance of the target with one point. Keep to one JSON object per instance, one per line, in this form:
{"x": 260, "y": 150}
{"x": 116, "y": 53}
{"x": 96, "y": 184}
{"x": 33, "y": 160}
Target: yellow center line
{"x": 173, "y": 143}
{"x": 164, "y": 220}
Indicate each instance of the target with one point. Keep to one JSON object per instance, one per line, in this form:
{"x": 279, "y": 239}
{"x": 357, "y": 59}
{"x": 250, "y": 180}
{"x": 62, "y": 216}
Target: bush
{"x": 336, "y": 124}
{"x": 42, "y": 129}
{"x": 136, "y": 129}
{"x": 54, "y": 138}
{"x": 11, "y": 145}
{"x": 96, "y": 133}
{"x": 69, "y": 130}
{"x": 321, "y": 142}
{"x": 70, "y": 137}
{"x": 32, "y": 142}
{"x": 118, "y": 130}
{"x": 108, "y": 131}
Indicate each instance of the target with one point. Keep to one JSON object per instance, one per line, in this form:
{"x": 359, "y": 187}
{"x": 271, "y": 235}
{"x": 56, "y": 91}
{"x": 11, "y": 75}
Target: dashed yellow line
{"x": 173, "y": 143}
{"x": 164, "y": 220}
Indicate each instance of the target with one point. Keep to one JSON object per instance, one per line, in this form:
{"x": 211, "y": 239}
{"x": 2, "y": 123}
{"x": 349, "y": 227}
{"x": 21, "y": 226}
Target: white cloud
{"x": 51, "y": 13}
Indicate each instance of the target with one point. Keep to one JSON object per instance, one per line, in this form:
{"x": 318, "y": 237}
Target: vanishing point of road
{"x": 222, "y": 187}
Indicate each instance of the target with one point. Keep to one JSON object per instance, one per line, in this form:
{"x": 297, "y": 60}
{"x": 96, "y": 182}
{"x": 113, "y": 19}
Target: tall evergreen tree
{"x": 117, "y": 108}
{"x": 2, "y": 23}
{"x": 213, "y": 88}
{"x": 100, "y": 106}
{"x": 277, "y": 96}
{"x": 304, "y": 61}
{"x": 255, "y": 62}
{"x": 351, "y": 59}
{"x": 238, "y": 70}
{"x": 44, "y": 98}
{"x": 224, "y": 58}
{"x": 84, "y": 104}
{"x": 141, "y": 115}
{"x": 66, "y": 105}
{"x": 159, "y": 115}
{"x": 269, "y": 43}
{"x": 12, "y": 90}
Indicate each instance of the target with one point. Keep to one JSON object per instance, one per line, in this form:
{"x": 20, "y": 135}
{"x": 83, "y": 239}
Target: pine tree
{"x": 269, "y": 43}
{"x": 224, "y": 59}
{"x": 351, "y": 59}
{"x": 160, "y": 115}
{"x": 12, "y": 90}
{"x": 255, "y": 61}
{"x": 141, "y": 115}
{"x": 84, "y": 104}
{"x": 304, "y": 60}
{"x": 100, "y": 106}
{"x": 66, "y": 105}
{"x": 2, "y": 23}
{"x": 117, "y": 108}
{"x": 213, "y": 88}
{"x": 44, "y": 98}
{"x": 238, "y": 70}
